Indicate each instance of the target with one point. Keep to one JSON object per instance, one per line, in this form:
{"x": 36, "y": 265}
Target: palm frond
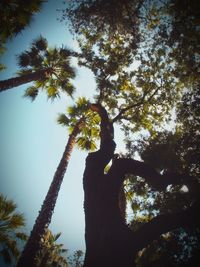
{"x": 33, "y": 52}
{"x": 86, "y": 144}
{"x": 65, "y": 52}
{"x": 68, "y": 88}
{"x": 40, "y": 57}
{"x": 31, "y": 92}
{"x": 40, "y": 43}
{"x": 7, "y": 206}
{"x": 16, "y": 221}
{"x": 23, "y": 60}
{"x": 10, "y": 221}
{"x": 67, "y": 70}
{"x": 52, "y": 92}
{"x": 56, "y": 236}
{"x": 37, "y": 62}
{"x": 21, "y": 236}
{"x": 63, "y": 120}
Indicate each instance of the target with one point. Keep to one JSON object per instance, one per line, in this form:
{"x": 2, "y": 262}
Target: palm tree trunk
{"x": 28, "y": 257}
{"x": 26, "y": 78}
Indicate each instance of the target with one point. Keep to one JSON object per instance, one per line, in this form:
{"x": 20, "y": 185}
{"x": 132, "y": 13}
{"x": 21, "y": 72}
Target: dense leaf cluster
{"x": 56, "y": 63}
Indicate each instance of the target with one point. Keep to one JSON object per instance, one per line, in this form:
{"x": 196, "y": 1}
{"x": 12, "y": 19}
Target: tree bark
{"x": 28, "y": 257}
{"x": 109, "y": 241}
{"x": 26, "y": 78}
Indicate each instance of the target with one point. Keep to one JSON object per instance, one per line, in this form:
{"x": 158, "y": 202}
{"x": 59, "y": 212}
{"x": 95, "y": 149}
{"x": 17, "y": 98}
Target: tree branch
{"x": 107, "y": 144}
{"x": 152, "y": 177}
{"x": 106, "y": 126}
{"x": 165, "y": 223}
{"x": 122, "y": 111}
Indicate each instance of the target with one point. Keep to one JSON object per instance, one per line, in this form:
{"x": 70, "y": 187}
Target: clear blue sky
{"x": 32, "y": 143}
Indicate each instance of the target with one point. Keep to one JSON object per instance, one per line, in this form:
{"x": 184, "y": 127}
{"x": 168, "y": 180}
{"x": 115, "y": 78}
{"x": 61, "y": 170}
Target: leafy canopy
{"x": 145, "y": 58}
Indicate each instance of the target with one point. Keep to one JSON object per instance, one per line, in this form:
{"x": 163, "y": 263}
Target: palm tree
{"x": 51, "y": 253}
{"x": 79, "y": 122}
{"x": 10, "y": 223}
{"x": 28, "y": 257}
{"x": 48, "y": 68}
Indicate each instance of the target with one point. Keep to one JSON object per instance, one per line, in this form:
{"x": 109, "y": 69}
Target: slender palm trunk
{"x": 28, "y": 257}
{"x": 26, "y": 78}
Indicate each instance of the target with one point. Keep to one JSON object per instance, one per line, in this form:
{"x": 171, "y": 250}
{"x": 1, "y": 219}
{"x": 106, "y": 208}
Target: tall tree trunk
{"x": 26, "y": 78}
{"x": 28, "y": 257}
{"x": 108, "y": 238}
{"x": 109, "y": 241}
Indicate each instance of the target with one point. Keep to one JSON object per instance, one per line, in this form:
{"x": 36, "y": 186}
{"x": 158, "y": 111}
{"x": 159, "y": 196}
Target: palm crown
{"x": 89, "y": 133}
{"x": 55, "y": 61}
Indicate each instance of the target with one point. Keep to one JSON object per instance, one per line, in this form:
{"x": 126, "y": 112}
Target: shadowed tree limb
{"x": 107, "y": 144}
{"x": 152, "y": 177}
{"x": 167, "y": 222}
{"x": 107, "y": 131}
{"x": 162, "y": 223}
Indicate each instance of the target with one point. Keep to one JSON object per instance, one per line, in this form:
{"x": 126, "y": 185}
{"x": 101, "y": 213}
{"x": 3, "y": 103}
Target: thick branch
{"x": 151, "y": 176}
{"x": 102, "y": 157}
{"x": 165, "y": 223}
{"x": 106, "y": 126}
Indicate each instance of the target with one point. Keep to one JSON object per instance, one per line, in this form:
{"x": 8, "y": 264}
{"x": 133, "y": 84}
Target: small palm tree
{"x": 10, "y": 234}
{"x": 48, "y": 68}
{"x": 51, "y": 253}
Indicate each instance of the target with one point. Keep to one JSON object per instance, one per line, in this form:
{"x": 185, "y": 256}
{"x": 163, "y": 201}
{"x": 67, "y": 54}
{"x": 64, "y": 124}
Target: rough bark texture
{"x": 28, "y": 257}
{"x": 26, "y": 78}
{"x": 109, "y": 241}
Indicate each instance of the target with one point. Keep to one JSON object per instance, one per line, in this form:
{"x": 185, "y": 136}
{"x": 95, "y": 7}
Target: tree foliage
{"x": 11, "y": 234}
{"x": 51, "y": 253}
{"x": 145, "y": 59}
{"x": 15, "y": 16}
